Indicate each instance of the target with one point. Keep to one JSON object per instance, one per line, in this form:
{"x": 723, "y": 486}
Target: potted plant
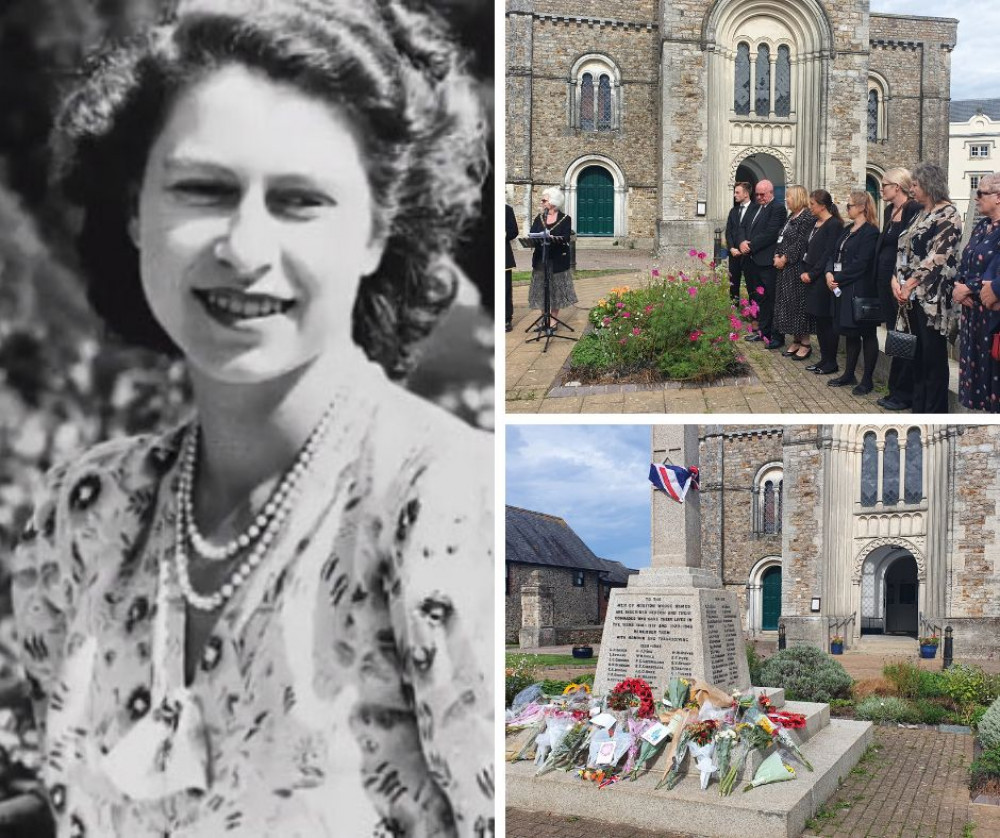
{"x": 583, "y": 651}
{"x": 837, "y": 645}
{"x": 929, "y": 646}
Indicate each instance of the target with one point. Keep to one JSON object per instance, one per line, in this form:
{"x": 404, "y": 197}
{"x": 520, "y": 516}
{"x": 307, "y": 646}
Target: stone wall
{"x": 572, "y": 606}
{"x": 914, "y": 54}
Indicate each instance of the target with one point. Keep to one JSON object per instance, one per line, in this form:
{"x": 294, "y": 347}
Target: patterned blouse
{"x": 346, "y": 689}
{"x": 928, "y": 252}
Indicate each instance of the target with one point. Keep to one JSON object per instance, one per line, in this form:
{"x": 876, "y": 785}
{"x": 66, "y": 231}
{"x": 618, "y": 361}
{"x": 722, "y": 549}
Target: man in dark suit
{"x": 741, "y": 196}
{"x": 760, "y": 238}
{"x": 509, "y": 266}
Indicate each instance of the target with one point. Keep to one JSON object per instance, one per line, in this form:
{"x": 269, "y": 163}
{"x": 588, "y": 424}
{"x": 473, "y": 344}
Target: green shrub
{"x": 930, "y": 712}
{"x": 989, "y": 726}
{"x": 754, "y": 662}
{"x": 912, "y": 682}
{"x": 806, "y": 674}
{"x": 520, "y": 674}
{"x": 985, "y": 767}
{"x": 683, "y": 325}
{"x": 888, "y": 708}
{"x": 970, "y": 685}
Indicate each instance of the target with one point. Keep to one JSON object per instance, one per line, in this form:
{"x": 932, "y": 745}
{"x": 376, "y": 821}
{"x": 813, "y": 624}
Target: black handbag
{"x": 898, "y": 343}
{"x": 867, "y": 309}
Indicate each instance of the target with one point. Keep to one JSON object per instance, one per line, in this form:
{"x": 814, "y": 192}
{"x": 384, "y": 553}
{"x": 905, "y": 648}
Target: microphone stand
{"x": 543, "y": 324}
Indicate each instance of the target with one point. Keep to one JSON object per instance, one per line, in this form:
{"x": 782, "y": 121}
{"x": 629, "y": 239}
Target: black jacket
{"x": 885, "y": 257}
{"x": 856, "y": 254}
{"x": 762, "y": 231}
{"x": 511, "y": 235}
{"x": 818, "y": 296}
{"x": 558, "y": 251}
{"x": 733, "y": 234}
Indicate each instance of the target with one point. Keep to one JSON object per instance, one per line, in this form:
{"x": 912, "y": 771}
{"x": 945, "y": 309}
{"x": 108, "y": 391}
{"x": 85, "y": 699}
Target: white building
{"x": 974, "y": 132}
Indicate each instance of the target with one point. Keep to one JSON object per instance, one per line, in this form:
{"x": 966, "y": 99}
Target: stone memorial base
{"x": 673, "y": 622}
{"x": 781, "y": 810}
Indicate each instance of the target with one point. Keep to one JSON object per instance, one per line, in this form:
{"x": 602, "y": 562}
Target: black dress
{"x": 855, "y": 252}
{"x": 561, "y": 291}
{"x": 885, "y": 258}
{"x": 821, "y": 243}
{"x": 790, "y": 317}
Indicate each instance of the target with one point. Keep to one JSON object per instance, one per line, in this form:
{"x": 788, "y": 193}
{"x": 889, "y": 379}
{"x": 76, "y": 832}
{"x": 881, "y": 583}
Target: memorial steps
{"x": 781, "y": 810}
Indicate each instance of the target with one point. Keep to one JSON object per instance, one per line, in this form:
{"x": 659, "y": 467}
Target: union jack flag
{"x": 674, "y": 480}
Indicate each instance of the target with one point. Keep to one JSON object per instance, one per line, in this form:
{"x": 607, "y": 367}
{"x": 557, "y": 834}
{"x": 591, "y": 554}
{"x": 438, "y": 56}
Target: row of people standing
{"x": 820, "y": 264}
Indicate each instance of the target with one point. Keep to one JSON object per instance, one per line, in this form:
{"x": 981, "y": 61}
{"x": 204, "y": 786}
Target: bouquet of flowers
{"x": 724, "y": 742}
{"x": 678, "y": 751}
{"x": 633, "y": 692}
{"x": 772, "y": 770}
{"x": 751, "y": 737}
{"x": 702, "y": 748}
{"x": 676, "y": 695}
{"x": 567, "y": 749}
{"x": 785, "y": 738}
{"x": 636, "y": 728}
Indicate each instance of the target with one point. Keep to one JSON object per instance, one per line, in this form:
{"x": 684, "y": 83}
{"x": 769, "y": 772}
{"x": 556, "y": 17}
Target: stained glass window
{"x": 763, "y": 88}
{"x": 783, "y": 83}
{"x": 890, "y": 469}
{"x": 872, "y": 115}
{"x": 587, "y": 102}
{"x": 742, "y": 95}
{"x": 869, "y": 471}
{"x": 914, "y": 467}
{"x": 604, "y": 103}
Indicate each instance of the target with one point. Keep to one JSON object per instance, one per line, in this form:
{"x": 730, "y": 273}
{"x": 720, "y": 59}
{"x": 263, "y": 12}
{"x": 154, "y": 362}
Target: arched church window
{"x": 914, "y": 467}
{"x": 869, "y": 470}
{"x": 587, "y": 102}
{"x": 873, "y": 115}
{"x": 762, "y": 100}
{"x": 742, "y": 93}
{"x": 594, "y": 93}
{"x": 767, "y": 500}
{"x": 783, "y": 83}
{"x": 890, "y": 469}
{"x": 604, "y": 103}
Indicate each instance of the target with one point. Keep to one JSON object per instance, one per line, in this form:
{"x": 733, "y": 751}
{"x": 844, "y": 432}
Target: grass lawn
{"x": 525, "y": 276}
{"x": 553, "y": 660}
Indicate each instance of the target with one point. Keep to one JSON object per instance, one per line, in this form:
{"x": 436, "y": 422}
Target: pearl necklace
{"x": 258, "y": 538}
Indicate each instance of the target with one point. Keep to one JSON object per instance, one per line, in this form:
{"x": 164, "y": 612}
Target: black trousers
{"x": 766, "y": 277}
{"x": 930, "y": 365}
{"x": 735, "y": 275}
{"x": 508, "y": 279}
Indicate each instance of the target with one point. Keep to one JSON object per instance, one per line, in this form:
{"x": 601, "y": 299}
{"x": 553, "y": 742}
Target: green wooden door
{"x": 771, "y": 596}
{"x": 595, "y": 202}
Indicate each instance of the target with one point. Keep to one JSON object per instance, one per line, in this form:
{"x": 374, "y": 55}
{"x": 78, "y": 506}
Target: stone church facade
{"x": 873, "y": 529}
{"x": 647, "y": 112}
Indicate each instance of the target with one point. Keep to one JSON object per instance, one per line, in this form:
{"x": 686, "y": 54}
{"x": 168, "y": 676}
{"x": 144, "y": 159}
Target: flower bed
{"x": 681, "y": 326}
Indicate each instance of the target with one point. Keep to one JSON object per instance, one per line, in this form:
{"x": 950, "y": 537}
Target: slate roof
{"x": 964, "y": 109}
{"x": 618, "y": 573}
{"x": 540, "y": 539}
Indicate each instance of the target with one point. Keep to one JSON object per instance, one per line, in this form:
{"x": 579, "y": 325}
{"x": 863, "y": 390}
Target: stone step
{"x": 776, "y": 811}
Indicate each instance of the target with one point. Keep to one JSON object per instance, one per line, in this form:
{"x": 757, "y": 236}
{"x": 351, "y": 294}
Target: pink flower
{"x": 760, "y": 289}
{"x": 692, "y": 252}
{"x": 636, "y": 331}
{"x": 622, "y": 341}
{"x": 648, "y": 309}
{"x": 702, "y": 254}
{"x": 693, "y": 291}
{"x": 740, "y": 358}
{"x": 620, "y": 305}
{"x": 626, "y": 314}
{"x": 695, "y": 335}
{"x": 733, "y": 336}
{"x": 656, "y": 271}
{"x": 711, "y": 264}
{"x": 671, "y": 277}
{"x": 606, "y": 320}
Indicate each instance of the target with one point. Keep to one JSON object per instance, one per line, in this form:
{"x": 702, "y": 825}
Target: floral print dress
{"x": 346, "y": 689}
{"x": 978, "y": 379}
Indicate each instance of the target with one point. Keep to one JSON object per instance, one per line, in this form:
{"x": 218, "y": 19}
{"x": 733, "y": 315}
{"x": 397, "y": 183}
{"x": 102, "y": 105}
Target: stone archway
{"x": 589, "y": 164}
{"x": 890, "y": 591}
{"x": 764, "y": 580}
{"x": 764, "y": 166}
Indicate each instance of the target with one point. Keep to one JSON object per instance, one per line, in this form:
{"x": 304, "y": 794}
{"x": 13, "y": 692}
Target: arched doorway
{"x": 901, "y": 596}
{"x": 873, "y": 188}
{"x": 595, "y": 202}
{"x": 770, "y": 612}
{"x": 763, "y": 166}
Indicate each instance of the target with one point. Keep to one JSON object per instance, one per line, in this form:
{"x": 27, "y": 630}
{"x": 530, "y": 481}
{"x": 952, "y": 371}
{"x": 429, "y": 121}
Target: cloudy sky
{"x": 975, "y": 71}
{"x": 596, "y": 477}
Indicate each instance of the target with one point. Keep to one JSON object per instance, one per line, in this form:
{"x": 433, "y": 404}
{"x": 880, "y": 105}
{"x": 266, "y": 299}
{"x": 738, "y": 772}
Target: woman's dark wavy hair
{"x": 390, "y": 67}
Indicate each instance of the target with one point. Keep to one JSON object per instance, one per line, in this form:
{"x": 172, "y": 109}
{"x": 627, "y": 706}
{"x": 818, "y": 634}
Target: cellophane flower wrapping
{"x": 704, "y": 760}
{"x": 676, "y": 694}
{"x": 636, "y": 727}
{"x": 786, "y": 739}
{"x": 771, "y": 770}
